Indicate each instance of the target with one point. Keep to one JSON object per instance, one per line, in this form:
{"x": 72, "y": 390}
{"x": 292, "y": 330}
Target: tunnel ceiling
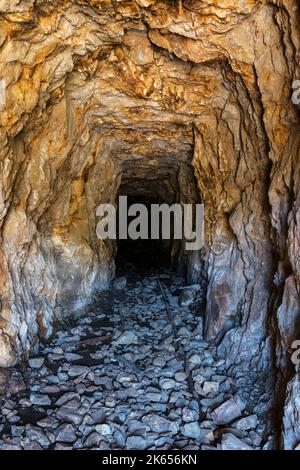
{"x": 93, "y": 93}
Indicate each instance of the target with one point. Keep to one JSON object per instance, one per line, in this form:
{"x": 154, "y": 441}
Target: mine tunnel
{"x": 142, "y": 344}
{"x": 163, "y": 182}
{"x": 144, "y": 253}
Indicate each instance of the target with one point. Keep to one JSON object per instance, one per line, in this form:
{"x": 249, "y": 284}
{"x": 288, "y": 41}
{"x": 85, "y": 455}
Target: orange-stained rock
{"x": 98, "y": 95}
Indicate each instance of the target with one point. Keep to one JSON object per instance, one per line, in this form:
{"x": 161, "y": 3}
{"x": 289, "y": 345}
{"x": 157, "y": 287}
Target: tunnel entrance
{"x": 169, "y": 192}
{"x": 157, "y": 183}
{"x": 145, "y": 253}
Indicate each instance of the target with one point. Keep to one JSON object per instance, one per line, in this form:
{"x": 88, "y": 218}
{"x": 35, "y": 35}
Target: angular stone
{"x": 254, "y": 439}
{"x": 159, "y": 361}
{"x": 33, "y": 445}
{"x": 50, "y": 422}
{"x": 98, "y": 416}
{"x": 180, "y": 376}
{"x": 192, "y": 430}
{"x": 40, "y": 400}
{"x": 189, "y": 294}
{"x": 11, "y": 382}
{"x": 189, "y": 415}
{"x": 195, "y": 360}
{"x": 291, "y": 418}
{"x": 231, "y": 442}
{"x": 34, "y": 433}
{"x": 36, "y": 363}
{"x": 75, "y": 371}
{"x": 69, "y": 415}
{"x": 159, "y": 424}
{"x": 120, "y": 283}
{"x": 104, "y": 429}
{"x": 126, "y": 338}
{"x": 228, "y": 411}
{"x": 93, "y": 440}
{"x": 10, "y": 446}
{"x": 167, "y": 384}
{"x": 210, "y": 388}
{"x": 247, "y": 423}
{"x": 72, "y": 357}
{"x": 136, "y": 443}
{"x": 66, "y": 433}
{"x": 67, "y": 397}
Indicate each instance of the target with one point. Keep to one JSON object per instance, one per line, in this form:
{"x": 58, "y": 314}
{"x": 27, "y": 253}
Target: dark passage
{"x": 169, "y": 183}
{"x": 147, "y": 254}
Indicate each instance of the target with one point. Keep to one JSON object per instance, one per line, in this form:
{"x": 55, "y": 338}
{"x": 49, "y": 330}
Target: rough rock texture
{"x": 291, "y": 436}
{"x": 153, "y": 384}
{"x": 98, "y": 95}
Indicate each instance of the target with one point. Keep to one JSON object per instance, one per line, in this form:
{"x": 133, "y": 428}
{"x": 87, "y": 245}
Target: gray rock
{"x": 136, "y": 427}
{"x": 67, "y": 397}
{"x": 34, "y": 433}
{"x": 49, "y": 422}
{"x": 192, "y": 430}
{"x": 75, "y": 371}
{"x": 39, "y": 399}
{"x": 32, "y": 445}
{"x": 98, "y": 416}
{"x": 206, "y": 436}
{"x": 11, "y": 381}
{"x": 50, "y": 390}
{"x": 164, "y": 441}
{"x": 228, "y": 411}
{"x": 69, "y": 415}
{"x": 291, "y": 418}
{"x": 254, "y": 439}
{"x": 119, "y": 438}
{"x": 189, "y": 294}
{"x": 159, "y": 361}
{"x": 104, "y": 429}
{"x": 72, "y": 357}
{"x": 120, "y": 283}
{"x": 214, "y": 402}
{"x": 136, "y": 443}
{"x": 159, "y": 424}
{"x": 249, "y": 422}
{"x": 270, "y": 444}
{"x": 167, "y": 384}
{"x": 10, "y": 446}
{"x": 195, "y": 360}
{"x": 157, "y": 397}
{"x": 36, "y": 363}
{"x": 55, "y": 357}
{"x": 110, "y": 402}
{"x": 60, "y": 446}
{"x": 93, "y": 440}
{"x": 184, "y": 332}
{"x": 126, "y": 338}
{"x": 106, "y": 381}
{"x": 231, "y": 442}
{"x": 66, "y": 433}
{"x": 210, "y": 388}
{"x": 189, "y": 415}
{"x": 53, "y": 379}
{"x": 16, "y": 431}
{"x": 180, "y": 376}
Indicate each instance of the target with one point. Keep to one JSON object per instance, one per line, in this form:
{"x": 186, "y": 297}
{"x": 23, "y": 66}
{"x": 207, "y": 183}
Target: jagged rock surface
{"x": 155, "y": 383}
{"x": 96, "y": 94}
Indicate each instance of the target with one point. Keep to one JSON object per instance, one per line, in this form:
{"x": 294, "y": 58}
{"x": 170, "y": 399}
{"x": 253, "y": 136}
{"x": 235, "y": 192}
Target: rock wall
{"x": 96, "y": 91}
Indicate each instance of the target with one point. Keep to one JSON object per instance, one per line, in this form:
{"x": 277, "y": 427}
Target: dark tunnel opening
{"x": 145, "y": 254}
{"x": 165, "y": 186}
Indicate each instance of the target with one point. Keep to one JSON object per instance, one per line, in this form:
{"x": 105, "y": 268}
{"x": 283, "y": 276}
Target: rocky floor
{"x": 134, "y": 373}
